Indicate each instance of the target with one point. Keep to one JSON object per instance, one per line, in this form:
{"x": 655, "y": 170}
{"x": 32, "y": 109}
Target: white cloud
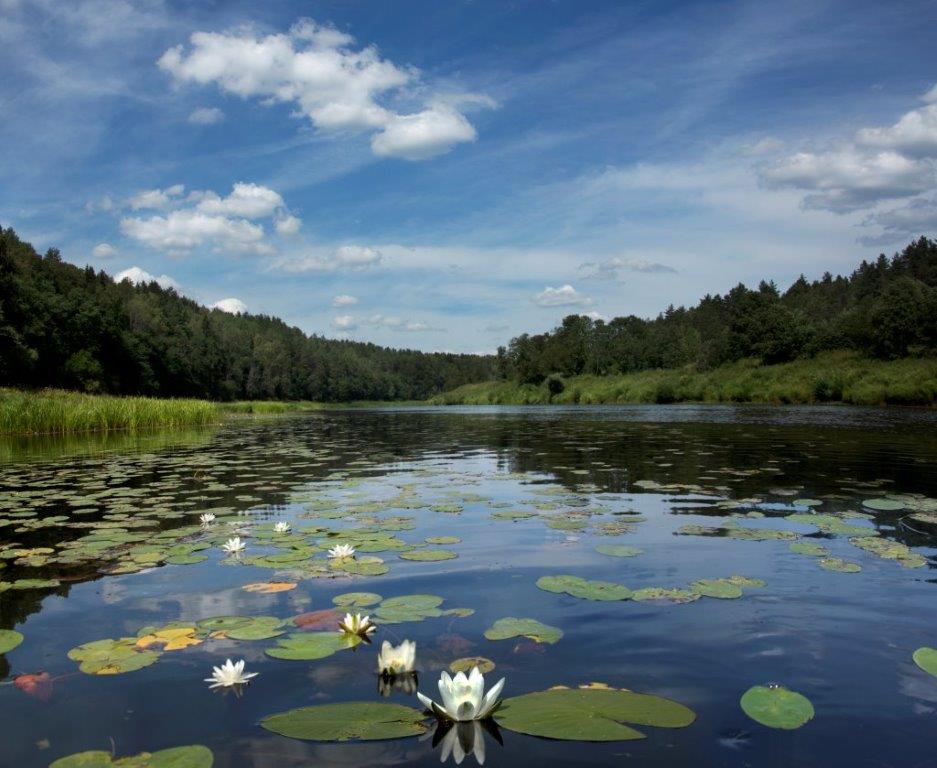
{"x": 206, "y": 116}
{"x": 392, "y": 322}
{"x": 564, "y": 296}
{"x": 345, "y": 323}
{"x": 595, "y": 315}
{"x": 354, "y": 258}
{"x": 915, "y": 218}
{"x": 155, "y": 198}
{"x": 232, "y": 306}
{"x": 344, "y": 300}
{"x": 334, "y": 86}
{"x": 139, "y": 276}
{"x": 288, "y": 225}
{"x": 103, "y": 251}
{"x": 104, "y": 203}
{"x": 204, "y": 218}
{"x": 611, "y": 269}
{"x": 915, "y": 134}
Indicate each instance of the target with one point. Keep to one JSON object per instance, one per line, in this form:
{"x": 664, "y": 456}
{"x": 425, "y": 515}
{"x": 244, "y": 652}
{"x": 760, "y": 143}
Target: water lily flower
{"x": 357, "y": 625}
{"x": 229, "y": 674}
{"x": 342, "y": 550}
{"x": 207, "y": 518}
{"x": 282, "y": 527}
{"x": 464, "y": 698}
{"x": 398, "y": 660}
{"x": 234, "y": 546}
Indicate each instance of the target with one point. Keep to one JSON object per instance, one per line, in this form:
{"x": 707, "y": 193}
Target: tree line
{"x": 886, "y": 308}
{"x": 75, "y": 328}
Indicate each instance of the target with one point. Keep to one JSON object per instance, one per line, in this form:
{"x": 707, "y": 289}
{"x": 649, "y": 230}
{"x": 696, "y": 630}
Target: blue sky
{"x": 443, "y": 175}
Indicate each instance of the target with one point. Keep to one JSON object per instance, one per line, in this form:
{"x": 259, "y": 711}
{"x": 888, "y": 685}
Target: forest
{"x": 886, "y": 309}
{"x": 75, "y": 328}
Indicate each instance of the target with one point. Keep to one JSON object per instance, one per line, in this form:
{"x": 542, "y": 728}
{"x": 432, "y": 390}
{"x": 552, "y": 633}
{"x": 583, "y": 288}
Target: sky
{"x": 446, "y": 174}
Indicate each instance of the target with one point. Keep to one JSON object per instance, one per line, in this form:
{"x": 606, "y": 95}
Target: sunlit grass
{"x": 833, "y": 377}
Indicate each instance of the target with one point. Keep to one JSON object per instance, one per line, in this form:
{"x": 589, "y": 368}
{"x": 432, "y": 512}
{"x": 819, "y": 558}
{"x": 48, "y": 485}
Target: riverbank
{"x": 836, "y": 377}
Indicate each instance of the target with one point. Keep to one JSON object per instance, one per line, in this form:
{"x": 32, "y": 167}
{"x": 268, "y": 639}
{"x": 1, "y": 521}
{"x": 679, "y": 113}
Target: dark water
{"x": 844, "y": 640}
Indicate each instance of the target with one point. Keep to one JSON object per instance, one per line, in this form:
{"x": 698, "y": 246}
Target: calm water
{"x": 528, "y": 493}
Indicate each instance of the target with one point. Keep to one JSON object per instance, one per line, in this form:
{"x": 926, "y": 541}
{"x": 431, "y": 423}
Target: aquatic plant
{"x": 229, "y": 674}
{"x": 397, "y": 660}
{"x": 464, "y": 698}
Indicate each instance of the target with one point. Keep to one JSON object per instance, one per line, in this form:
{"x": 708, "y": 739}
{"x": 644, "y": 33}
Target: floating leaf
{"x": 259, "y": 628}
{"x": 590, "y": 714}
{"x": 9, "y": 639}
{"x": 356, "y": 599}
{"x": 839, "y": 565}
{"x": 309, "y": 646}
{"x": 194, "y": 756}
{"x": 809, "y": 548}
{"x": 883, "y": 505}
{"x": 328, "y": 617}
{"x": 362, "y": 721}
{"x": 428, "y": 555}
{"x": 442, "y": 540}
{"x": 776, "y": 707}
{"x": 269, "y": 587}
{"x": 508, "y": 627}
{"x": 619, "y": 550}
{"x": 926, "y": 659}
{"x": 223, "y": 622}
{"x": 670, "y": 595}
{"x": 467, "y": 663}
{"x": 583, "y": 588}
{"x": 722, "y": 589}
{"x": 112, "y": 657}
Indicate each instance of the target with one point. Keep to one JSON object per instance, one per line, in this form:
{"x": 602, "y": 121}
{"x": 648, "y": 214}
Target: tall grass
{"x": 841, "y": 377}
{"x": 53, "y": 411}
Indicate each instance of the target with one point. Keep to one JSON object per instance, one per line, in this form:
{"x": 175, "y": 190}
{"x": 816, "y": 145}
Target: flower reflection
{"x": 462, "y": 739}
{"x": 406, "y": 683}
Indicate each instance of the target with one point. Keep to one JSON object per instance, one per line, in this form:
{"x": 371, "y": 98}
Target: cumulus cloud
{"x": 206, "y": 116}
{"x": 344, "y": 300}
{"x": 354, "y": 258}
{"x": 139, "y": 276}
{"x": 352, "y": 322}
{"x": 611, "y": 269}
{"x": 104, "y": 203}
{"x": 103, "y": 251}
{"x": 231, "y": 305}
{"x": 564, "y": 296}
{"x": 206, "y": 219}
{"x": 917, "y": 217}
{"x": 879, "y": 164}
{"x": 337, "y": 87}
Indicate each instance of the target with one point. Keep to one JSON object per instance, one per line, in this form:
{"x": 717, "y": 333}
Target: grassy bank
{"x": 832, "y": 377}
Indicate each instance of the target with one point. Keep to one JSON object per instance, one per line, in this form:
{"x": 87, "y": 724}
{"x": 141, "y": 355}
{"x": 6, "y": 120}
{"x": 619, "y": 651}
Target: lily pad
{"x": 112, "y": 657}
{"x": 310, "y": 646}
{"x": 590, "y": 714}
{"x": 721, "y": 589}
{"x": 442, "y": 540}
{"x": 674, "y": 595}
{"x": 428, "y": 555}
{"x": 839, "y": 565}
{"x": 926, "y": 659}
{"x": 777, "y": 707}
{"x": 809, "y": 548}
{"x": 467, "y": 663}
{"x": 883, "y": 505}
{"x": 194, "y": 756}
{"x": 259, "y": 628}
{"x": 619, "y": 550}
{"x": 348, "y": 721}
{"x": 509, "y": 626}
{"x": 583, "y": 588}
{"x": 356, "y": 599}
{"x": 9, "y": 639}
{"x": 269, "y": 587}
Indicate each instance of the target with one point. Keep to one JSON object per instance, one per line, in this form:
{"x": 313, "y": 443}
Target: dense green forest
{"x": 72, "y": 327}
{"x": 885, "y": 309}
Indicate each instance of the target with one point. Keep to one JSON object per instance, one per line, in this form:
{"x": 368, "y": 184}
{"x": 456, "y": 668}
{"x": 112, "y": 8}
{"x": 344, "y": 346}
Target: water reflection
{"x": 406, "y": 684}
{"x": 460, "y": 740}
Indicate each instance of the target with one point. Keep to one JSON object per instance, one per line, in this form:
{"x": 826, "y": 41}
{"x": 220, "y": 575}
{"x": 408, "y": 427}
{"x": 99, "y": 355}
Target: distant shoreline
{"x": 833, "y": 377}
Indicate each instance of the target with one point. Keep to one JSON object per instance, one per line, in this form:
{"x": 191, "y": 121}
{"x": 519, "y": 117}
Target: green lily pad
{"x": 467, "y": 663}
{"x": 194, "y": 756}
{"x": 347, "y": 721}
{"x": 839, "y": 565}
{"x": 806, "y": 502}
{"x": 583, "y": 588}
{"x": 9, "y": 639}
{"x": 428, "y": 555}
{"x": 776, "y": 707}
{"x": 809, "y": 548}
{"x": 591, "y": 714}
{"x": 619, "y": 550}
{"x": 508, "y": 627}
{"x": 721, "y": 589}
{"x": 442, "y": 540}
{"x": 223, "y": 623}
{"x": 356, "y": 599}
{"x": 926, "y": 659}
{"x": 259, "y": 628}
{"x": 310, "y": 646}
{"x": 112, "y": 657}
{"x": 883, "y": 505}
{"x": 674, "y": 595}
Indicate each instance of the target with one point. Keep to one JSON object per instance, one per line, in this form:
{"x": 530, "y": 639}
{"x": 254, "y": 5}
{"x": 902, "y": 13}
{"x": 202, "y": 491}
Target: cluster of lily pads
{"x": 723, "y": 588}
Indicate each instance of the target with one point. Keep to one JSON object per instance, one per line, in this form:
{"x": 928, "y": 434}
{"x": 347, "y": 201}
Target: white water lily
{"x": 207, "y": 518}
{"x": 282, "y": 527}
{"x": 342, "y": 550}
{"x": 464, "y": 698}
{"x": 398, "y": 660}
{"x": 234, "y": 546}
{"x": 229, "y": 674}
{"x": 357, "y": 625}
